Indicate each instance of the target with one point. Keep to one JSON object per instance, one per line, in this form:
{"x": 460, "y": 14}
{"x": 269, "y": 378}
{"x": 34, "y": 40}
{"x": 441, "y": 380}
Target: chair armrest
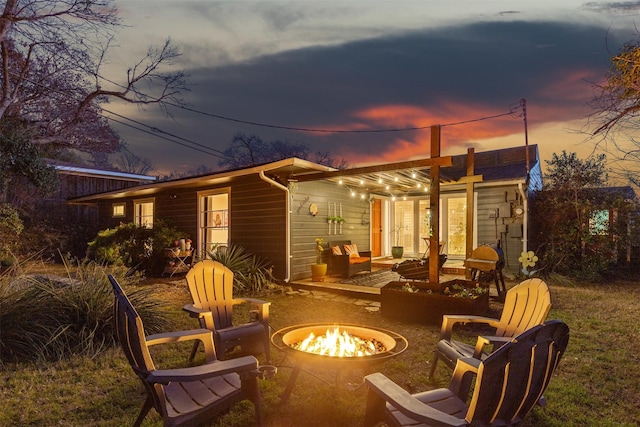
{"x": 203, "y": 335}
{"x": 262, "y": 308}
{"x": 448, "y": 321}
{"x": 389, "y": 391}
{"x": 193, "y": 310}
{"x": 483, "y": 340}
{"x": 365, "y": 254}
{"x": 240, "y": 365}
{"x": 460, "y": 381}
{"x": 253, "y": 301}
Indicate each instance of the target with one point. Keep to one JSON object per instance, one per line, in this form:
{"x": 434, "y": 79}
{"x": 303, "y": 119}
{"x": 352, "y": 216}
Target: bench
{"x": 347, "y": 265}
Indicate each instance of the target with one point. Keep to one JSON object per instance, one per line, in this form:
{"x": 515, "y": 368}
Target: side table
{"x": 177, "y": 261}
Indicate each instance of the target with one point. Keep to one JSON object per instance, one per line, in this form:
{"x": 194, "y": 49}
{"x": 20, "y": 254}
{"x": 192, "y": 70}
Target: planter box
{"x": 425, "y": 307}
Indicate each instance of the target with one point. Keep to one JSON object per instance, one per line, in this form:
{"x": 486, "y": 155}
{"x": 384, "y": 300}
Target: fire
{"x": 337, "y": 343}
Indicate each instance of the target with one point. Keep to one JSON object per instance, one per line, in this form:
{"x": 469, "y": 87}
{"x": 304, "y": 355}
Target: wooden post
{"x": 470, "y": 207}
{"x": 434, "y": 208}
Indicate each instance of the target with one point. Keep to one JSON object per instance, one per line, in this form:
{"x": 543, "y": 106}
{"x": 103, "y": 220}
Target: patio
{"x": 367, "y": 285}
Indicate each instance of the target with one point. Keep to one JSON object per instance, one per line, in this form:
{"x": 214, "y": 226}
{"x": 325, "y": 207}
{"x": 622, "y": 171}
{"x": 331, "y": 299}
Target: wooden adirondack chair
{"x": 509, "y": 383}
{"x": 526, "y": 305}
{"x": 211, "y": 287}
{"x": 184, "y": 396}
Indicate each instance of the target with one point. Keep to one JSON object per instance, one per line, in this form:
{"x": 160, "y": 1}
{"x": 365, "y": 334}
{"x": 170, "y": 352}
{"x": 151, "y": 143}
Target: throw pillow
{"x": 336, "y": 250}
{"x": 351, "y": 250}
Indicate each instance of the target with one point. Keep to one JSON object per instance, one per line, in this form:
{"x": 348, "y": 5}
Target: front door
{"x": 376, "y": 228}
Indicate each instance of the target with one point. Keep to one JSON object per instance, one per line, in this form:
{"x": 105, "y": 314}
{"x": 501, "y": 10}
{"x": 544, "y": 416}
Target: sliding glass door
{"x": 411, "y": 222}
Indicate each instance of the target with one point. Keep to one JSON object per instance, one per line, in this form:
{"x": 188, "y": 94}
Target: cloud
{"x": 418, "y": 78}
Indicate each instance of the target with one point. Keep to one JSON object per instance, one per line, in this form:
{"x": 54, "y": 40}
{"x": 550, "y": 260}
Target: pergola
{"x": 404, "y": 176}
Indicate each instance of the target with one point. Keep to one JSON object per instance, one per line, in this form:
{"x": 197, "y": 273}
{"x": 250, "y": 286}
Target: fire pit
{"x": 336, "y": 346}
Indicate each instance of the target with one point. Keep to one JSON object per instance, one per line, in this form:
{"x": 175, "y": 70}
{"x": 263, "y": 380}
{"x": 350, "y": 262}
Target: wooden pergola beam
{"x": 411, "y": 164}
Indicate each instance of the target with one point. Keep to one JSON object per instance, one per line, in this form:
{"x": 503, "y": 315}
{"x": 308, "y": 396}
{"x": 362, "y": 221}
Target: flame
{"x": 337, "y": 343}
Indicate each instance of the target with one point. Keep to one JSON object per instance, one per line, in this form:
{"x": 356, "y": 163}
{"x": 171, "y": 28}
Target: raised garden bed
{"x": 426, "y": 302}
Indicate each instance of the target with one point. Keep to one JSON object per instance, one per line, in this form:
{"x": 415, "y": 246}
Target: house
{"x": 277, "y": 210}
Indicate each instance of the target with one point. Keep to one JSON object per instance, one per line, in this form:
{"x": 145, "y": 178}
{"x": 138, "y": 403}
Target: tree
{"x": 246, "y": 151}
{"x": 576, "y": 235}
{"x": 618, "y": 102}
{"x": 131, "y": 163}
{"x": 20, "y": 158}
{"x": 616, "y": 108}
{"x": 52, "y": 51}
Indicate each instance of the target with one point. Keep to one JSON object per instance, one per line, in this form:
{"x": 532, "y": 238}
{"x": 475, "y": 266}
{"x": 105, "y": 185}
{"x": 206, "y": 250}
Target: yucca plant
{"x": 250, "y": 273}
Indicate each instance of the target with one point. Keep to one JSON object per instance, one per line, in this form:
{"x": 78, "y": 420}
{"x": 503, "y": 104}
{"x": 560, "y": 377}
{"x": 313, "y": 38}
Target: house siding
{"x": 257, "y": 216}
{"x": 489, "y": 223}
{"x": 305, "y": 228}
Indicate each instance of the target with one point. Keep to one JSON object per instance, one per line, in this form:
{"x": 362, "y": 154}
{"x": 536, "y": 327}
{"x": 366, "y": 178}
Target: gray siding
{"x": 305, "y": 228}
{"x": 489, "y": 226}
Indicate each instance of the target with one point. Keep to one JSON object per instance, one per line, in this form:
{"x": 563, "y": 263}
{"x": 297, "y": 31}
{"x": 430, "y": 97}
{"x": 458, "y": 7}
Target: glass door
{"x": 454, "y": 220}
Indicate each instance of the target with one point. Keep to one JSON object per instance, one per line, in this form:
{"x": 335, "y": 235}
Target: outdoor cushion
{"x": 336, "y": 250}
{"x": 358, "y": 259}
{"x": 351, "y": 250}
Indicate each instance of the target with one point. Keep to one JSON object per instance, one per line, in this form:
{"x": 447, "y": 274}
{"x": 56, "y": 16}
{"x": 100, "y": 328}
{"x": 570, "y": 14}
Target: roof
{"x": 80, "y": 170}
{"x": 497, "y": 165}
{"x": 408, "y": 177}
{"x": 280, "y": 169}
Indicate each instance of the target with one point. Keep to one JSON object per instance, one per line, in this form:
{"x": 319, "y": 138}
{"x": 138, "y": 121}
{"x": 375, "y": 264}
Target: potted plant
{"x": 319, "y": 269}
{"x": 397, "y": 251}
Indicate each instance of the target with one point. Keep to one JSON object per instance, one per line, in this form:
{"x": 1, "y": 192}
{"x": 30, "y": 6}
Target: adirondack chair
{"x": 509, "y": 383}
{"x": 184, "y": 396}
{"x": 211, "y": 287}
{"x": 526, "y": 305}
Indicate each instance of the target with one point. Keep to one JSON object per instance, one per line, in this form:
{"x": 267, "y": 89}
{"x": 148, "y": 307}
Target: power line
{"x": 511, "y": 111}
{"x": 160, "y": 136}
{"x": 221, "y": 155}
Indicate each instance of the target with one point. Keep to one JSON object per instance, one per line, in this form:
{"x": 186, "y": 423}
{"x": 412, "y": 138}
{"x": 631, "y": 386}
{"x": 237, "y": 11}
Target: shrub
{"x": 137, "y": 248}
{"x": 53, "y": 318}
{"x": 10, "y": 227}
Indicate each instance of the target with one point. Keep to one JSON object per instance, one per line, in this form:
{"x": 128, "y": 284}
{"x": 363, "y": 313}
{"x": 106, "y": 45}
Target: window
{"x": 118, "y": 210}
{"x": 143, "y": 213}
{"x": 599, "y": 223}
{"x": 213, "y": 220}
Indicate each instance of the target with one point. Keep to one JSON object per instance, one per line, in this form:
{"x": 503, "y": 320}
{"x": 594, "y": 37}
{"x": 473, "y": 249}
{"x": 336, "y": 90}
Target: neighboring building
{"x": 74, "y": 181}
{"x": 277, "y": 210}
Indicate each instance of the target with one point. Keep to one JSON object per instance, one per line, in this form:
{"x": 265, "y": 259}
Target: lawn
{"x": 597, "y": 382}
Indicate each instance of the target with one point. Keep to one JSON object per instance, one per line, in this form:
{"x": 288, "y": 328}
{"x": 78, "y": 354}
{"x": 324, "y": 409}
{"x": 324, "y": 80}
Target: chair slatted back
{"x": 526, "y": 305}
{"x": 513, "y": 378}
{"x": 130, "y": 334}
{"x": 211, "y": 287}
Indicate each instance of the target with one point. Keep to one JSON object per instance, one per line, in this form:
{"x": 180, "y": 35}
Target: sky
{"x": 373, "y": 67}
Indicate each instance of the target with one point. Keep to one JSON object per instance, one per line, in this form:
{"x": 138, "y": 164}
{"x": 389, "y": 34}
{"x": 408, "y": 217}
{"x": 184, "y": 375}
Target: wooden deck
{"x": 451, "y": 270}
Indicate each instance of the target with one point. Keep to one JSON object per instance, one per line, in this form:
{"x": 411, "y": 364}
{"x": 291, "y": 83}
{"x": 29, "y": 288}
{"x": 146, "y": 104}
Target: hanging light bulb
{"x": 340, "y": 182}
{"x": 393, "y": 198}
{"x": 413, "y": 175}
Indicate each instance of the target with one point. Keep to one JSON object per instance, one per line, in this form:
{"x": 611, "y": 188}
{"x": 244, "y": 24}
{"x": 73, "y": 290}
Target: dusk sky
{"x": 371, "y": 65}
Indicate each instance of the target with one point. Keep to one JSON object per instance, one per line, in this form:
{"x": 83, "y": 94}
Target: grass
{"x": 596, "y": 384}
